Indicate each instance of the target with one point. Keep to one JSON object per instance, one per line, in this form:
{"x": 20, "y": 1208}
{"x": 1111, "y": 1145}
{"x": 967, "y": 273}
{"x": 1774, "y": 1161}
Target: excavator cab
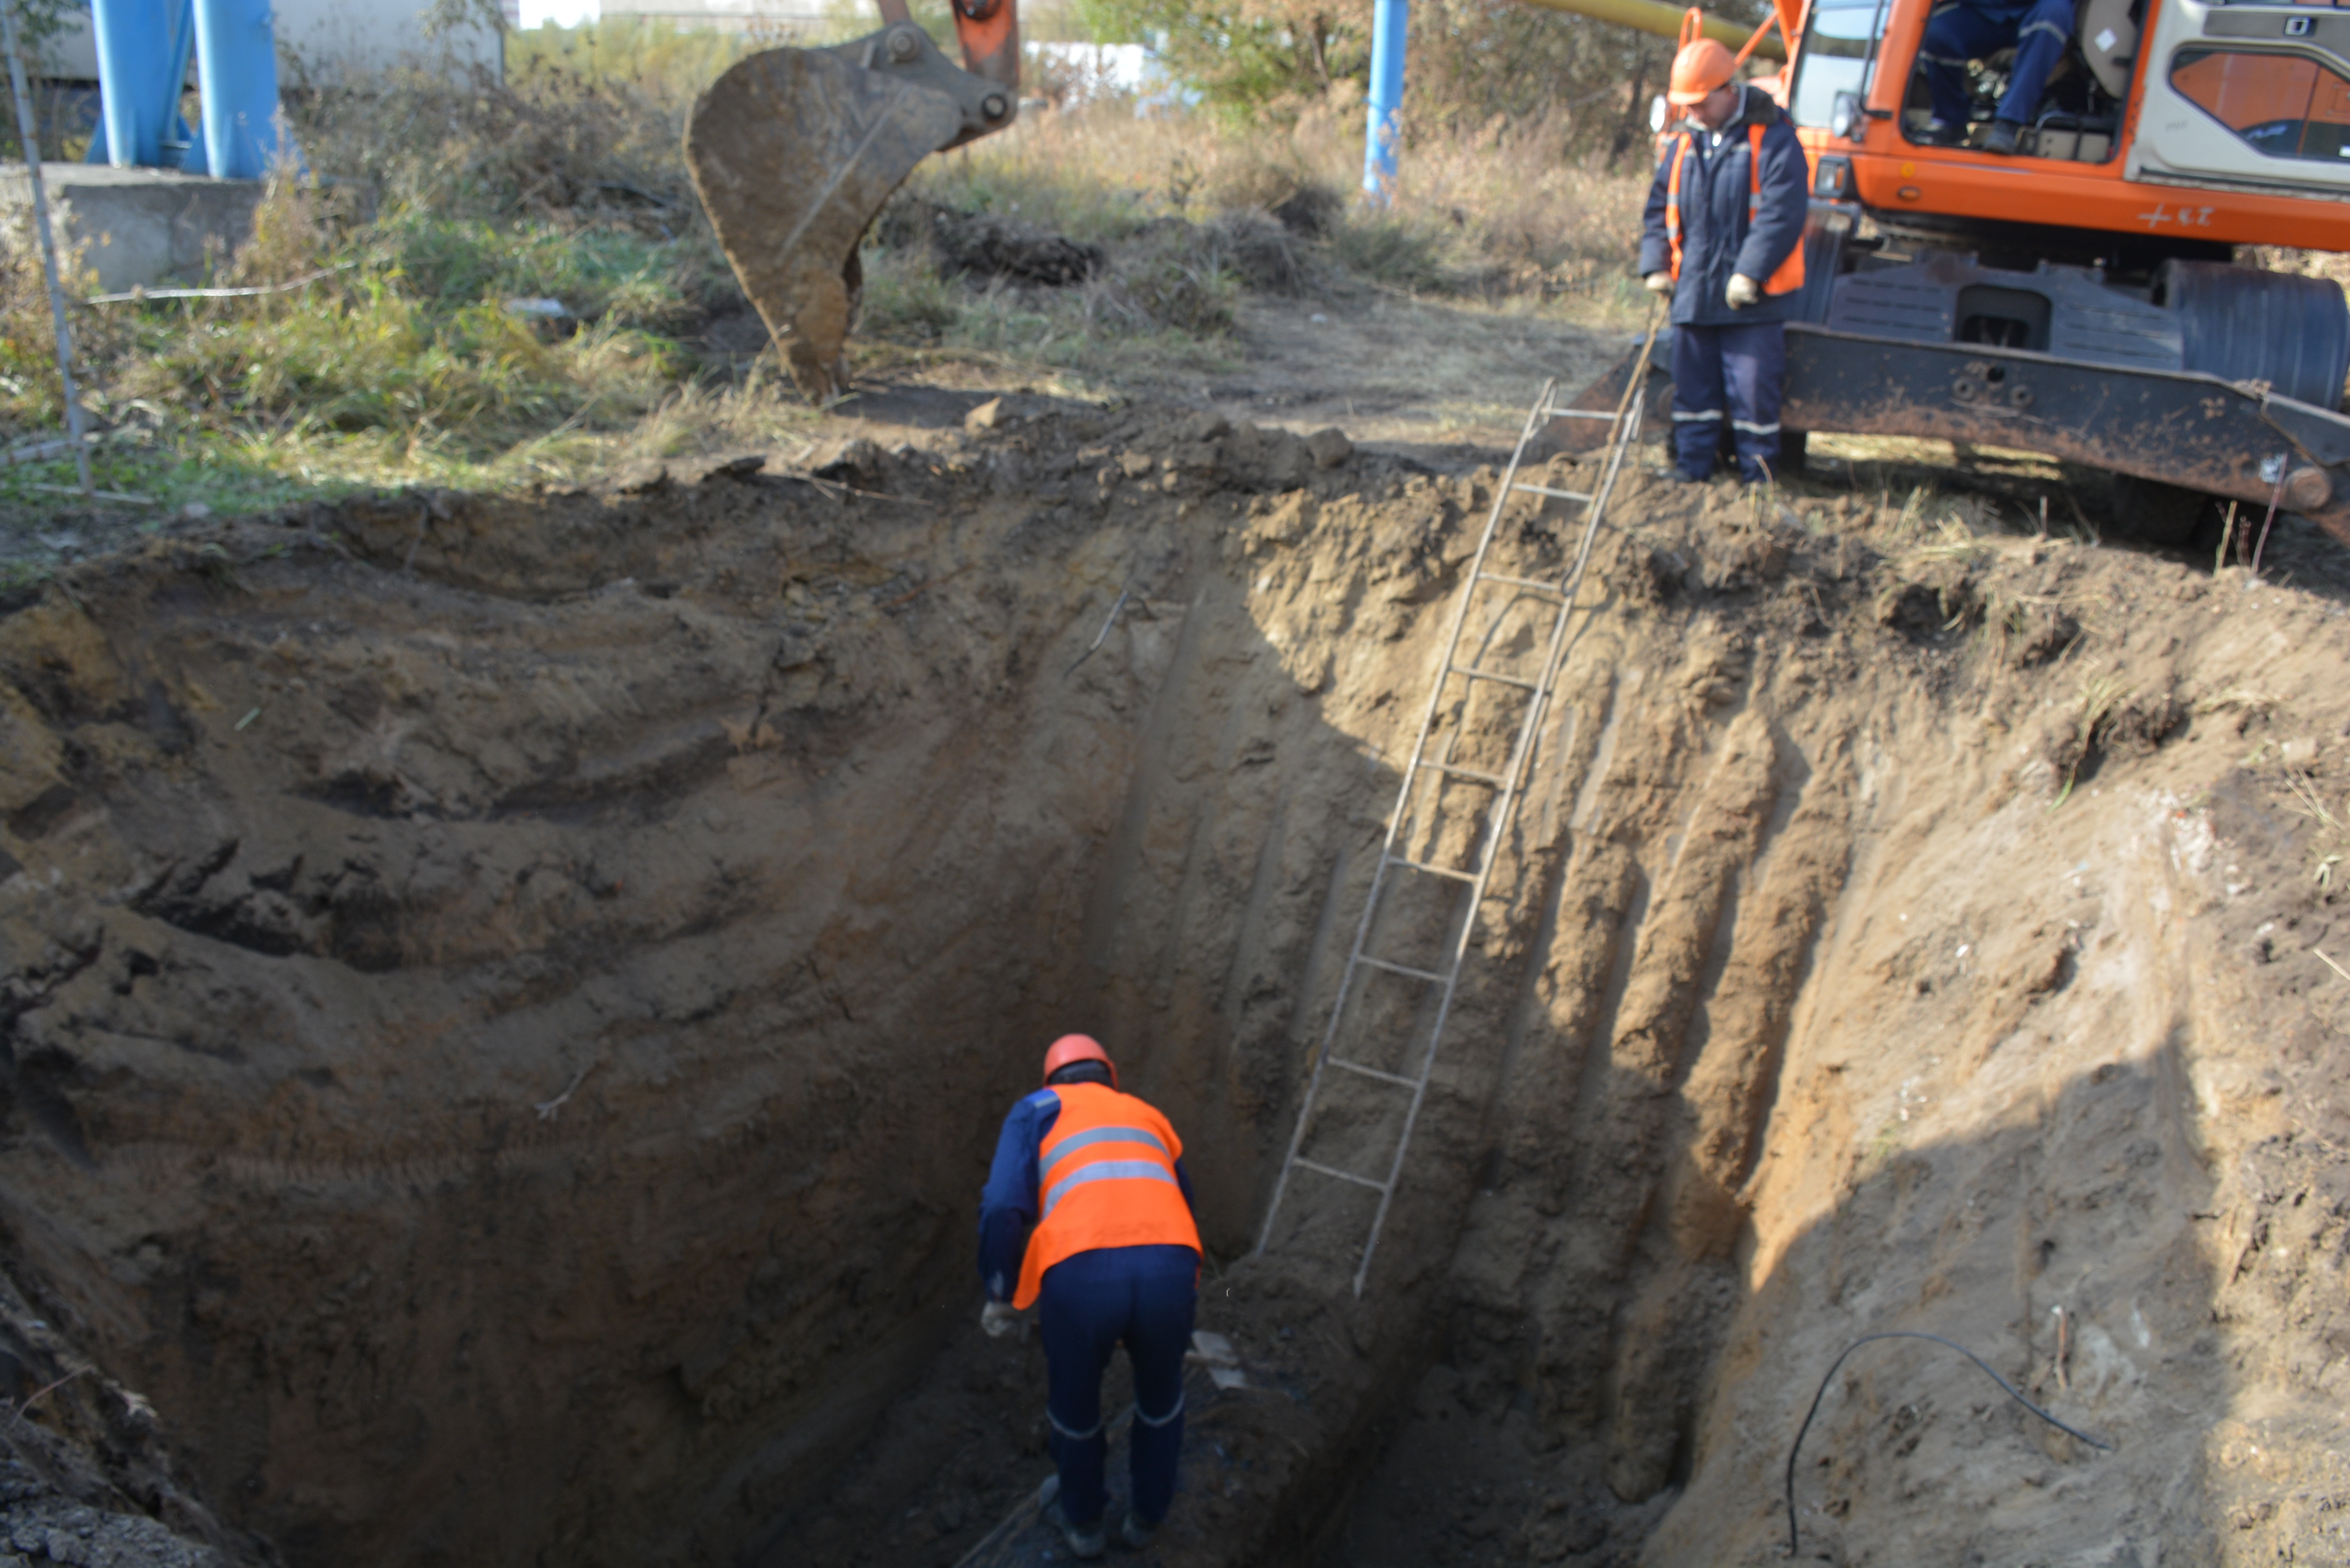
{"x": 2081, "y": 109}
{"x": 793, "y": 152}
{"x": 2091, "y": 295}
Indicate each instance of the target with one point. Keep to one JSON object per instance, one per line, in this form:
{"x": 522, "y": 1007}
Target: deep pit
{"x": 507, "y": 1003}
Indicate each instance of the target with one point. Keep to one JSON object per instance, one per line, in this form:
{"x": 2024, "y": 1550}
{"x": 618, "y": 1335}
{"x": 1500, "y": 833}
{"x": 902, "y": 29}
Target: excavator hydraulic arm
{"x": 792, "y": 151}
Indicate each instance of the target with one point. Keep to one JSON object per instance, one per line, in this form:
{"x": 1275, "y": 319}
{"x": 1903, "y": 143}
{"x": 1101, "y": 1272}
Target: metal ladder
{"x": 1624, "y": 435}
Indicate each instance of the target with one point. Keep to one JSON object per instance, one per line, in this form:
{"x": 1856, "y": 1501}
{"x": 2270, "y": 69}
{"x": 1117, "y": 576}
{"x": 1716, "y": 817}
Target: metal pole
{"x": 1390, "y": 24}
{"x": 237, "y": 54}
{"x": 32, "y": 148}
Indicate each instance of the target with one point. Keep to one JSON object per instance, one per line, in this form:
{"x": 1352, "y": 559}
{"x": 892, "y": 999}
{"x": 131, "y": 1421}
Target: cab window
{"x": 1835, "y": 58}
{"x": 2283, "y": 106}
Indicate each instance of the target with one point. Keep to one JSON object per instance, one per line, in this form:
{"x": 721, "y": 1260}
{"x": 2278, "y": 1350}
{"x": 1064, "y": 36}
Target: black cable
{"x": 2013, "y": 1393}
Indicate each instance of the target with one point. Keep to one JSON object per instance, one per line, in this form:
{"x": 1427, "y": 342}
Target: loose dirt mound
{"x": 507, "y": 1005}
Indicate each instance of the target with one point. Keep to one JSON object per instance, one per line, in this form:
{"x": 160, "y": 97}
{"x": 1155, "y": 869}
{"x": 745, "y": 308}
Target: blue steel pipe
{"x": 236, "y": 54}
{"x": 139, "y": 76}
{"x": 1390, "y": 23}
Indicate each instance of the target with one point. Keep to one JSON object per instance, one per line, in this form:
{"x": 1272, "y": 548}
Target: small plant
{"x": 907, "y": 299}
{"x": 2100, "y": 696}
{"x": 1909, "y": 521}
{"x": 1953, "y": 541}
{"x": 1184, "y": 293}
{"x": 2306, "y": 802}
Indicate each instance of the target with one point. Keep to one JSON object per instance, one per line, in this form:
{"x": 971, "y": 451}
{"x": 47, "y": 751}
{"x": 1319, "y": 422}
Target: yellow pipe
{"x": 1665, "y": 21}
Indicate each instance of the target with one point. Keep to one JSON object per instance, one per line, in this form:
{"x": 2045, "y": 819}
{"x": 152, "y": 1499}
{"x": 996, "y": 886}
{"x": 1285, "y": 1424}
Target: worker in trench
{"x": 1963, "y": 30}
{"x": 1724, "y": 239}
{"x": 1113, "y": 1258}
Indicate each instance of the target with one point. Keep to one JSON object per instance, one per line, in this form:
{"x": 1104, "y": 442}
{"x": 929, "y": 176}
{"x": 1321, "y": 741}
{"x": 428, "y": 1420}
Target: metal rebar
{"x": 32, "y": 151}
{"x": 1099, "y": 638}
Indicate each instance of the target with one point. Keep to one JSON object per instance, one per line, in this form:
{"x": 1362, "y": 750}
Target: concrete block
{"x": 135, "y": 227}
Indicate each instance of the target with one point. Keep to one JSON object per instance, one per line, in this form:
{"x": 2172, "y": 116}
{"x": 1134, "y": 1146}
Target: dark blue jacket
{"x": 1007, "y": 1204}
{"x": 1716, "y": 239}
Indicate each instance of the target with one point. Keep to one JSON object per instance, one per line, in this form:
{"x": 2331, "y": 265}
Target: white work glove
{"x": 1658, "y": 283}
{"x": 999, "y": 1318}
{"x": 1743, "y": 292}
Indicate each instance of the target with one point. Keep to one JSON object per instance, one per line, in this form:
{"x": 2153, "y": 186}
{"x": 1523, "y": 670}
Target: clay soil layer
{"x": 506, "y": 1005}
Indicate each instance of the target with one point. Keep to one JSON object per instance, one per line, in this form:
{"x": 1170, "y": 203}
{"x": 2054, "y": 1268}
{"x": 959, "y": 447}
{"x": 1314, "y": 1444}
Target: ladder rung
{"x": 1474, "y": 673}
{"x": 1496, "y": 780}
{"x": 1427, "y": 974}
{"x": 1551, "y": 589}
{"x": 1379, "y": 1072}
{"x": 1554, "y": 494}
{"x": 1341, "y": 1175}
{"x": 1431, "y": 870}
{"x": 1582, "y": 414}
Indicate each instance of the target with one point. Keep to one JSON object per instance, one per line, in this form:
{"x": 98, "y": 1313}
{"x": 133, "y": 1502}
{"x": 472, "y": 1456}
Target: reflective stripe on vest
{"x": 1789, "y": 275}
{"x": 1106, "y": 1178}
{"x": 1108, "y": 1171}
{"x": 1066, "y": 1146}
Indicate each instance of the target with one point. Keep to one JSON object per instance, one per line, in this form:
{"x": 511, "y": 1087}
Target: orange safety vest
{"x": 1106, "y": 1178}
{"x": 1789, "y": 275}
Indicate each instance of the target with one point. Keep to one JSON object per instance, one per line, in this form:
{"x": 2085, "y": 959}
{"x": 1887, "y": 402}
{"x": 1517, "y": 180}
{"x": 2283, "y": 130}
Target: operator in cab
{"x": 1963, "y": 30}
{"x": 1724, "y": 238}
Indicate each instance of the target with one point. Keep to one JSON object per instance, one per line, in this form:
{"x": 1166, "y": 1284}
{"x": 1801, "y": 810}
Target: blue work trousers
{"x": 1959, "y": 32}
{"x": 1734, "y": 373}
{"x": 1142, "y": 1297}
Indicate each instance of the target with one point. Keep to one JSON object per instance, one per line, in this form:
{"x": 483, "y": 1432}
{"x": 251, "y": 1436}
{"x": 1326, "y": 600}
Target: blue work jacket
{"x": 1717, "y": 239}
{"x": 1007, "y": 1204}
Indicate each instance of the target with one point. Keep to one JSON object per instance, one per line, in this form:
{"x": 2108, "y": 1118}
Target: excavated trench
{"x": 507, "y": 1005}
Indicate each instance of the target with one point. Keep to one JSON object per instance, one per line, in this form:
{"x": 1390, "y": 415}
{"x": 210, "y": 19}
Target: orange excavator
{"x": 2081, "y": 296}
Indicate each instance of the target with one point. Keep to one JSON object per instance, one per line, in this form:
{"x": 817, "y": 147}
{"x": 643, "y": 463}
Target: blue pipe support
{"x": 236, "y": 53}
{"x": 139, "y": 92}
{"x": 178, "y": 147}
{"x": 1390, "y": 23}
{"x": 181, "y": 146}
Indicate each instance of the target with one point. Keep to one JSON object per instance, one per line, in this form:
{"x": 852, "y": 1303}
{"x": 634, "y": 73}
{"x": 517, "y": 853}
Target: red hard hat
{"x": 1071, "y": 1048}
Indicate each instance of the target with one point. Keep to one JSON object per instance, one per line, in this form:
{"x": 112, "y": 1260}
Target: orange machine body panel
{"x": 1895, "y": 176}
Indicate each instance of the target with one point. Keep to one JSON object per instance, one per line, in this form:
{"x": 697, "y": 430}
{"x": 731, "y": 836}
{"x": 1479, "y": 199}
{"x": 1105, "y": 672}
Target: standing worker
{"x": 1963, "y": 30}
{"x": 1115, "y": 1257}
{"x": 1724, "y": 237}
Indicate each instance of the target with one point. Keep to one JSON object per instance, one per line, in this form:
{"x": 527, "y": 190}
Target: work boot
{"x": 1085, "y": 1541}
{"x": 2001, "y": 135}
{"x": 1135, "y": 1533}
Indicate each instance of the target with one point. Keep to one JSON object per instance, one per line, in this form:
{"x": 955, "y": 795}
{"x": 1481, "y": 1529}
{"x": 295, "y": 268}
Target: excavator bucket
{"x": 792, "y": 151}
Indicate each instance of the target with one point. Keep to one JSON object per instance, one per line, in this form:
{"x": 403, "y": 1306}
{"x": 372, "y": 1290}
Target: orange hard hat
{"x": 1701, "y": 67}
{"x": 1070, "y": 1048}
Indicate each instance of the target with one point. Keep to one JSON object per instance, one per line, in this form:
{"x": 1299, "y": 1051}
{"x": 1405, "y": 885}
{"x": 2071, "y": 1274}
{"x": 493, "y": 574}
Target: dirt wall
{"x": 1903, "y": 932}
{"x": 508, "y": 1003}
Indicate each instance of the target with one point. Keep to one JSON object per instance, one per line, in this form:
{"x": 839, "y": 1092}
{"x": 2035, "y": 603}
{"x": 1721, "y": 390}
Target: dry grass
{"x": 1498, "y": 213}
{"x": 1192, "y": 214}
{"x": 450, "y": 197}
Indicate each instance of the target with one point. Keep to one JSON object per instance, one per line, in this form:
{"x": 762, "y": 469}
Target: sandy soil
{"x": 1445, "y": 381}
{"x": 1398, "y": 372}
{"x": 506, "y": 1005}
